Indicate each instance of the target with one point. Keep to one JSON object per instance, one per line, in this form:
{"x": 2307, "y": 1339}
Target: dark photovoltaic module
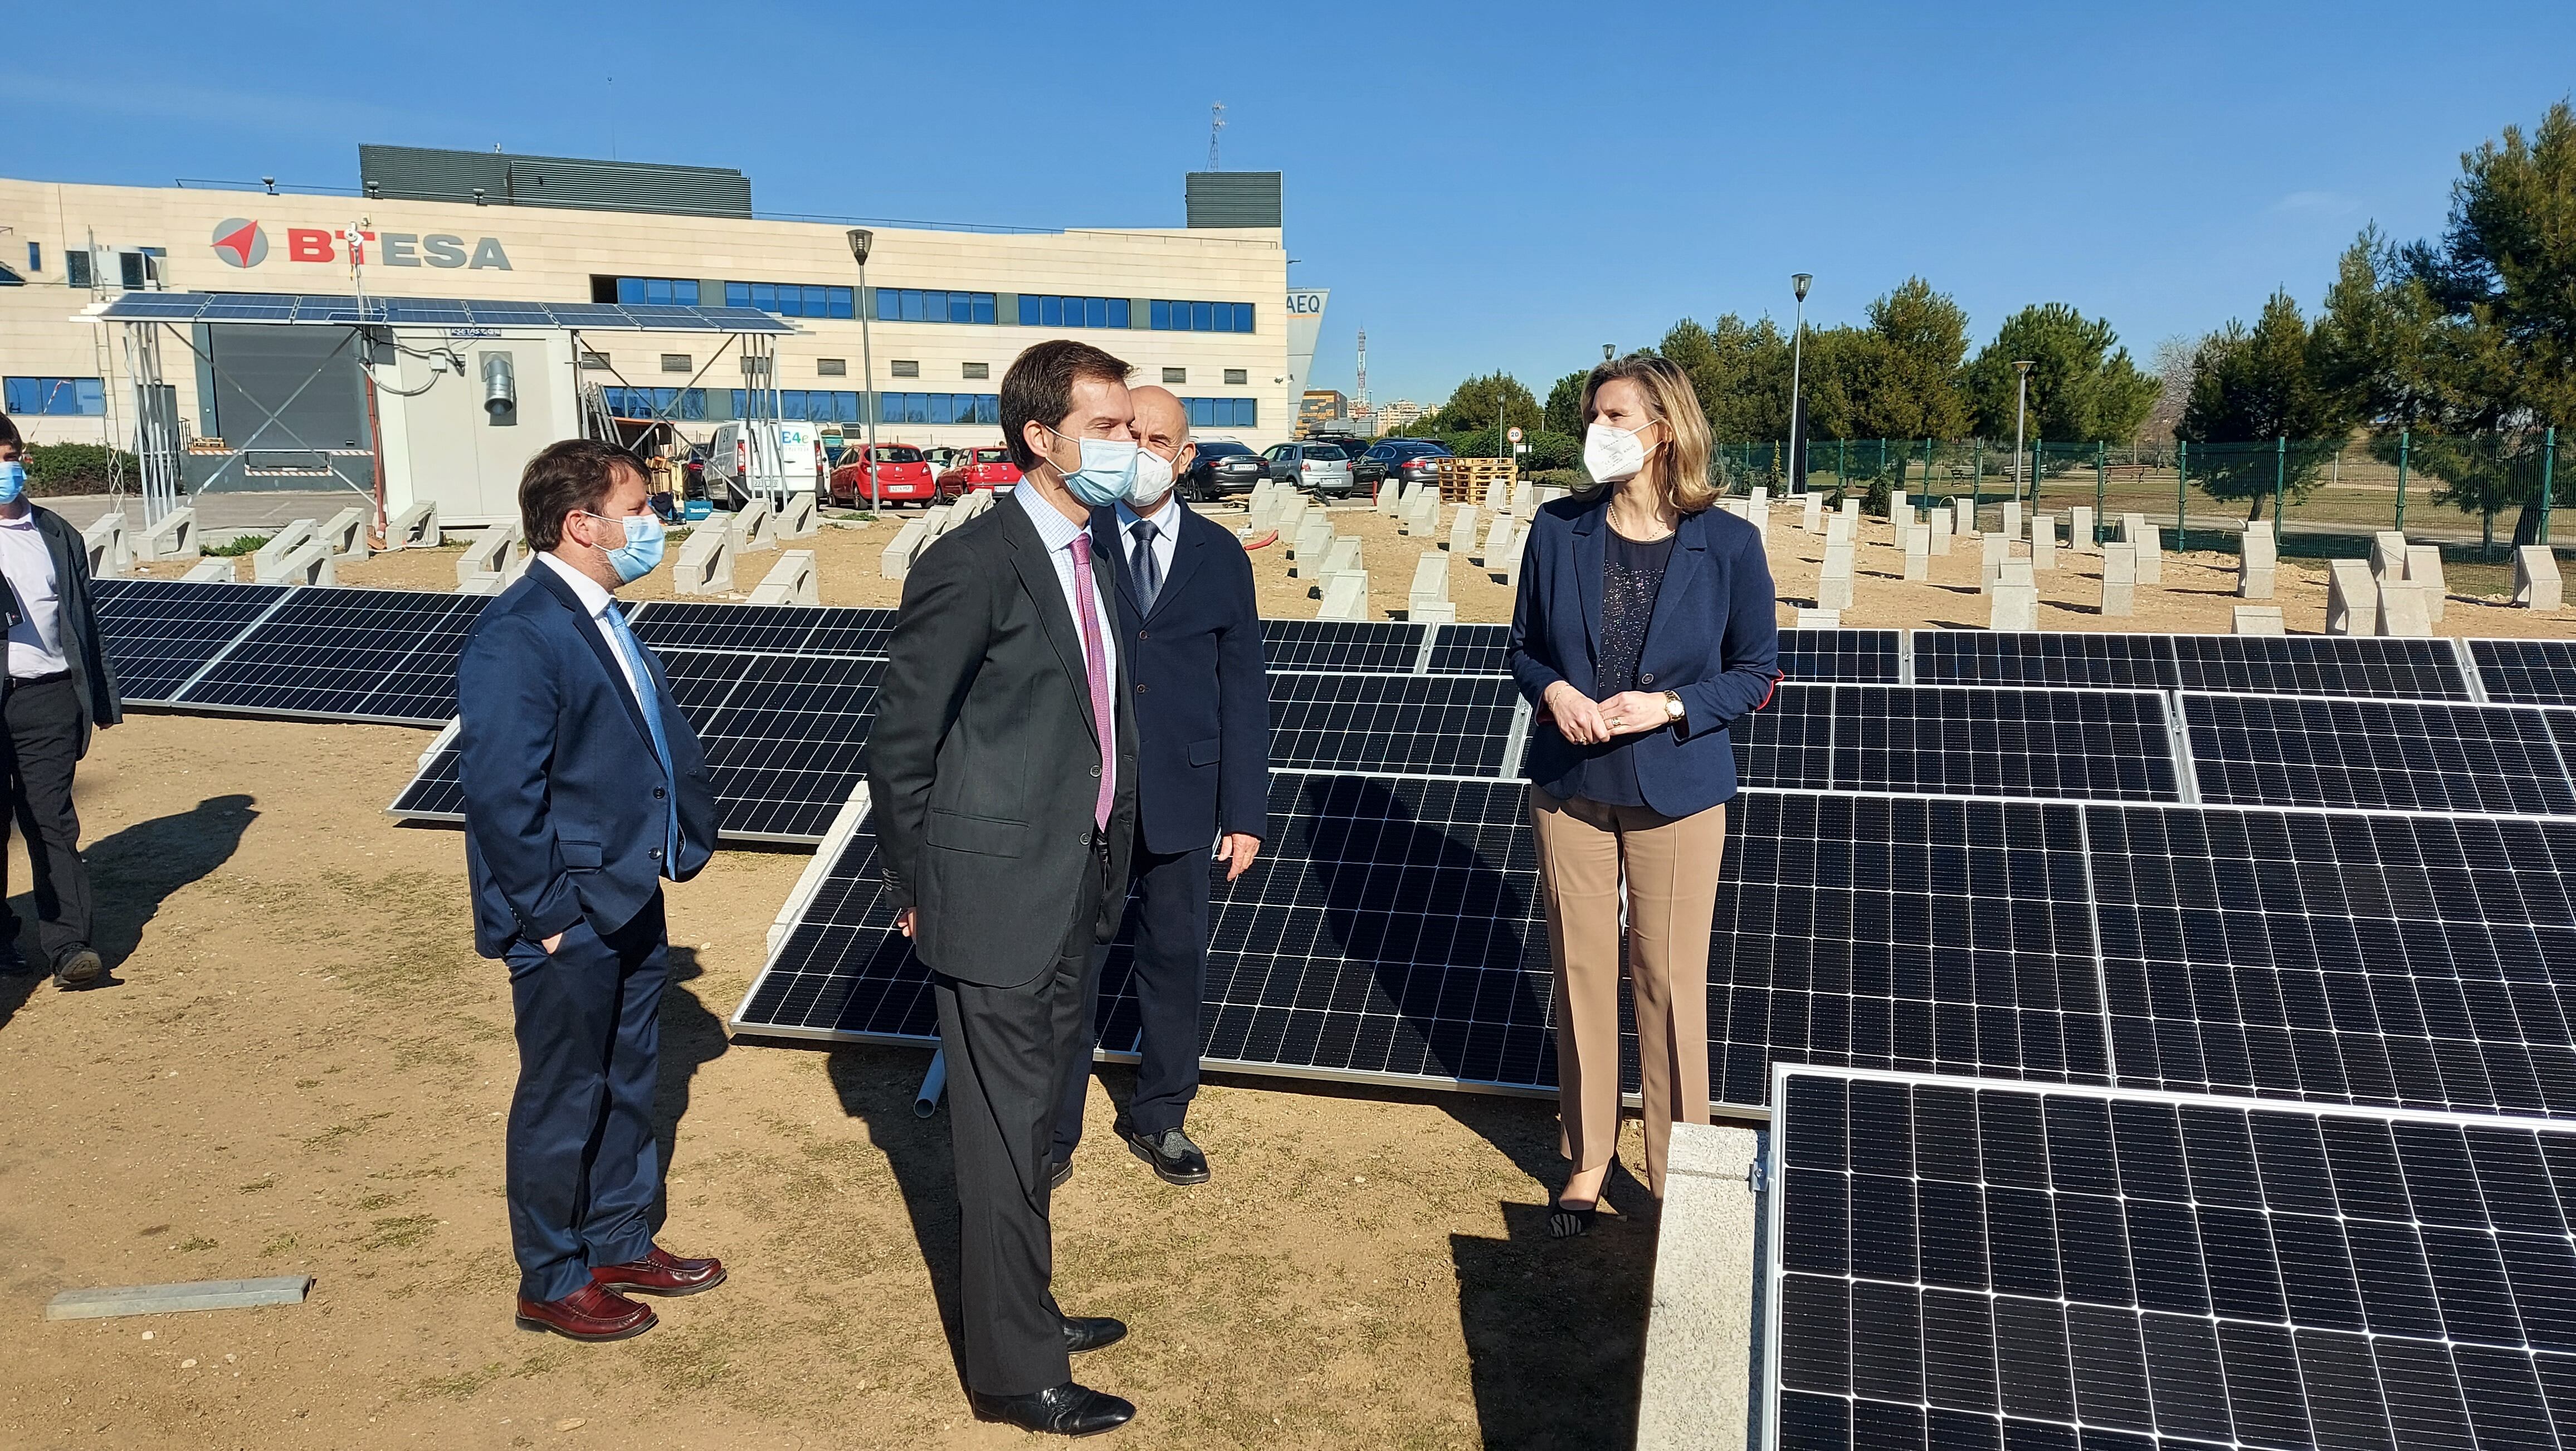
{"x": 344, "y": 654}
{"x": 160, "y": 632}
{"x": 2410, "y": 669}
{"x": 2540, "y": 672}
{"x": 2400, "y": 755}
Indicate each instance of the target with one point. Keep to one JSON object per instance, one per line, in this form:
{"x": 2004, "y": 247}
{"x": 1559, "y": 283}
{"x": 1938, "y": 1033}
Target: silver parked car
{"x": 1321, "y": 469}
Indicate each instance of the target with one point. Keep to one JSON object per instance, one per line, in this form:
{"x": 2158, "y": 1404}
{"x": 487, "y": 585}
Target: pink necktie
{"x": 1095, "y": 663}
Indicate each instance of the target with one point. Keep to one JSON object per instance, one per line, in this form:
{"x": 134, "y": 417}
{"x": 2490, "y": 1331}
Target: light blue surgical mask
{"x": 642, "y": 551}
{"x": 13, "y": 481}
{"x": 1107, "y": 466}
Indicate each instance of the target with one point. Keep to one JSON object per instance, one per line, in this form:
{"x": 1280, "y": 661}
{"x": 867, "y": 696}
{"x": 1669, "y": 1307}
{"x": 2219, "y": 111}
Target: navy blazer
{"x": 1202, "y": 693}
{"x": 564, "y": 801}
{"x": 1714, "y": 640}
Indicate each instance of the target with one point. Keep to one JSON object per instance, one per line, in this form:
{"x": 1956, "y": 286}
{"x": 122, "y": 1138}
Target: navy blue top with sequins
{"x": 1631, "y": 574}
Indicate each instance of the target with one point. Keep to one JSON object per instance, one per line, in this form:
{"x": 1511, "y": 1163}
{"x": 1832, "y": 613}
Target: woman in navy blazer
{"x": 1646, "y": 625}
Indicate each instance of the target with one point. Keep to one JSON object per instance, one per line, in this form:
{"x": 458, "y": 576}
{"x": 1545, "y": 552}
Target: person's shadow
{"x": 692, "y": 1037}
{"x": 876, "y": 1086}
{"x": 131, "y": 873}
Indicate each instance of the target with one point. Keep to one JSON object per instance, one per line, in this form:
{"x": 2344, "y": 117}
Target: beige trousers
{"x": 1671, "y": 867}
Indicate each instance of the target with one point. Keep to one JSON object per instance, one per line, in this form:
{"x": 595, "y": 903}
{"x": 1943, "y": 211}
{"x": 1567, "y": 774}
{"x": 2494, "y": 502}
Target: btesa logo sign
{"x": 242, "y": 242}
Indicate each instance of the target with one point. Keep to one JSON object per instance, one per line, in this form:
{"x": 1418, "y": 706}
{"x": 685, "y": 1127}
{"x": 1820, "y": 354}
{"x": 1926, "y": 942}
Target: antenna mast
{"x": 1216, "y": 123}
{"x": 1364, "y": 370}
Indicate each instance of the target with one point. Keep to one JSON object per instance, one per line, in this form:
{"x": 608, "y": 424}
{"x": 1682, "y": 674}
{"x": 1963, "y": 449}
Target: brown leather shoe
{"x": 589, "y": 1313}
{"x": 660, "y": 1273}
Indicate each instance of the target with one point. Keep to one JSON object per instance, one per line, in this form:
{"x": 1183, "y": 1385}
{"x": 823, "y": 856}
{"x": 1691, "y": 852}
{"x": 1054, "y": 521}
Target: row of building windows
{"x": 1224, "y": 412}
{"x": 656, "y": 291}
{"x": 913, "y": 304}
{"x": 791, "y": 299}
{"x": 54, "y": 397}
{"x": 939, "y": 408}
{"x": 1041, "y": 311}
{"x": 818, "y": 405}
{"x": 1200, "y": 317}
{"x": 683, "y": 403}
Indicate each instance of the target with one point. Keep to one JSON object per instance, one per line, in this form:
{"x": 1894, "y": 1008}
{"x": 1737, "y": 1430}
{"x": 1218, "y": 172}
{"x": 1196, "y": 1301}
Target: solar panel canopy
{"x": 323, "y": 310}
{"x": 1961, "y": 1263}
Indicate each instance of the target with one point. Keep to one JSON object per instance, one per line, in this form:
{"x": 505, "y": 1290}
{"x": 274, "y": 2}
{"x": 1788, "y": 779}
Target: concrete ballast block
{"x": 175, "y": 537}
{"x": 705, "y": 566}
{"x": 1344, "y": 554}
{"x": 895, "y": 563}
{"x": 1834, "y": 578}
{"x": 2043, "y": 542}
{"x": 415, "y": 527}
{"x": 1820, "y": 619}
{"x": 346, "y": 533}
{"x": 1345, "y": 596}
{"x": 1966, "y": 512}
{"x": 2260, "y": 620}
{"x": 2405, "y": 609}
{"x": 2387, "y": 555}
{"x": 2424, "y": 567}
{"x": 268, "y": 562}
{"x": 2352, "y": 599}
{"x": 2015, "y": 607}
{"x": 307, "y": 563}
{"x": 791, "y": 581}
{"x": 753, "y": 527}
{"x": 2256, "y": 563}
{"x": 1699, "y": 1378}
{"x": 802, "y": 517}
{"x": 1462, "y": 531}
{"x": 105, "y": 541}
{"x": 2119, "y": 579}
{"x": 1940, "y": 531}
{"x": 1994, "y": 547}
{"x": 2536, "y": 585}
{"x": 2079, "y": 530}
{"x": 217, "y": 570}
{"x": 1430, "y": 580}
{"x": 479, "y": 568}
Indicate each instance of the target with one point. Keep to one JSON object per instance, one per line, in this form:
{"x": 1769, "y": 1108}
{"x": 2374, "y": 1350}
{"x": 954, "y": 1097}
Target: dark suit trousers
{"x": 1007, "y": 1048}
{"x": 1170, "y": 908}
{"x": 583, "y": 1168}
{"x": 43, "y": 744}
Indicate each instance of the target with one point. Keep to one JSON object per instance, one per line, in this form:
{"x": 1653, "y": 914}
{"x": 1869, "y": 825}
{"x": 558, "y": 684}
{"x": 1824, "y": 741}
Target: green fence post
{"x": 2405, "y": 436}
{"x": 1927, "y": 471}
{"x": 2182, "y": 481}
{"x": 2280, "y": 473}
{"x": 1842, "y": 466}
{"x": 2035, "y": 456}
{"x": 1977, "y": 483}
{"x": 2101, "y": 487}
{"x": 2548, "y": 480}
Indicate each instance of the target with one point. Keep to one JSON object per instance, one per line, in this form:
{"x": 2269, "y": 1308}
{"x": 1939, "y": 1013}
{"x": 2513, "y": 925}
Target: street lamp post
{"x": 2021, "y": 412}
{"x": 861, "y": 239}
{"x": 1797, "y": 364}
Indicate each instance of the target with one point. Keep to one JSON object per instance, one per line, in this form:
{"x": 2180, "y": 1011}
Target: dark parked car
{"x": 1223, "y": 467}
{"x": 1367, "y": 472}
{"x": 1410, "y": 460}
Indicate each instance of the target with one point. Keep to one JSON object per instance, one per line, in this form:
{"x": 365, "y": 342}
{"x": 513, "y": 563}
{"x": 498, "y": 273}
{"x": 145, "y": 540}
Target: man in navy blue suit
{"x": 585, "y": 790}
{"x": 1191, "y": 632}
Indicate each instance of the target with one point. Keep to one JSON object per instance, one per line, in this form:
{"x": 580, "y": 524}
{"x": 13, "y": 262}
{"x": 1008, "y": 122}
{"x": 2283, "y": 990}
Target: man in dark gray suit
{"x": 1002, "y": 769}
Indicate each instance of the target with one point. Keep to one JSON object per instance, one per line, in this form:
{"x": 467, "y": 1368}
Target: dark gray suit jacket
{"x": 983, "y": 764}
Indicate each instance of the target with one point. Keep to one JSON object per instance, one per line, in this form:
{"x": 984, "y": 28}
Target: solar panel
{"x": 1964, "y": 1264}
{"x": 324, "y": 309}
{"x": 1960, "y": 740}
{"x": 1936, "y": 936}
{"x": 437, "y": 793}
{"x": 346, "y": 654}
{"x": 2539, "y": 671}
{"x": 1471, "y": 650}
{"x": 1341, "y": 645}
{"x": 1854, "y": 655}
{"x": 2388, "y": 754}
{"x": 2279, "y": 665}
{"x": 2414, "y": 961}
{"x": 769, "y": 629}
{"x": 1443, "y": 725}
{"x": 158, "y": 632}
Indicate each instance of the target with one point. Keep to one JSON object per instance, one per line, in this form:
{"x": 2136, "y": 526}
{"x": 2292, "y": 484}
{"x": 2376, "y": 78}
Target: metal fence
{"x": 2484, "y": 491}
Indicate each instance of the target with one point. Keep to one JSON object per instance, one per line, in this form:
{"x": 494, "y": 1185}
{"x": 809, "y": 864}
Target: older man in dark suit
{"x": 1002, "y": 772}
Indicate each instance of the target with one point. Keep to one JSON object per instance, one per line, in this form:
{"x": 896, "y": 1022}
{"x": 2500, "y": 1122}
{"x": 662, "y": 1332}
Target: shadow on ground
{"x": 1555, "y": 1330}
{"x": 692, "y": 1037}
{"x": 876, "y": 1087}
{"x": 131, "y": 874}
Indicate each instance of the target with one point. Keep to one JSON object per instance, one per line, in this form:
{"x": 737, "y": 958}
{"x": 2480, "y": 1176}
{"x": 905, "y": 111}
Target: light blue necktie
{"x": 650, "y": 700}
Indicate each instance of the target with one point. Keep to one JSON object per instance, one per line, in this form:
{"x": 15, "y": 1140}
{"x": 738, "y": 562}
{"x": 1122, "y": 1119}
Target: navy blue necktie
{"x": 1149, "y": 569}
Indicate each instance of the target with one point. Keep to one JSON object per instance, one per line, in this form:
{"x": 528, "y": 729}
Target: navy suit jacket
{"x": 564, "y": 801}
{"x": 1201, "y": 688}
{"x": 1714, "y": 640}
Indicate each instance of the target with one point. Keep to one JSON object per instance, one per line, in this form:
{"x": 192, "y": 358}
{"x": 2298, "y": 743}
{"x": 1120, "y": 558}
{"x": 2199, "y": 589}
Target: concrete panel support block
{"x": 2043, "y": 542}
{"x": 1820, "y": 619}
{"x": 2256, "y": 564}
{"x": 2016, "y": 573}
{"x": 1462, "y": 531}
{"x": 1390, "y": 497}
{"x": 802, "y": 516}
{"x": 105, "y": 541}
{"x": 1439, "y": 613}
{"x": 1313, "y": 542}
{"x": 2260, "y": 620}
{"x": 1965, "y": 512}
{"x": 2015, "y": 607}
{"x": 2424, "y": 567}
{"x": 1918, "y": 550}
{"x": 1840, "y": 529}
{"x": 1343, "y": 555}
{"x": 2151, "y": 555}
{"x": 1811, "y": 512}
{"x": 268, "y": 562}
{"x": 1345, "y": 596}
{"x": 1940, "y": 531}
{"x": 895, "y": 563}
{"x": 2079, "y": 531}
{"x": 416, "y": 527}
{"x": 346, "y": 533}
{"x": 216, "y": 571}
{"x": 1498, "y": 534}
{"x": 1512, "y": 554}
{"x": 1698, "y": 1380}
{"x": 175, "y": 537}
{"x": 2352, "y": 599}
{"x": 1996, "y": 549}
{"x": 2405, "y": 609}
{"x": 1430, "y": 580}
{"x": 791, "y": 581}
{"x": 2119, "y": 579}
{"x": 1834, "y": 578}
{"x": 753, "y": 526}
{"x": 2387, "y": 556}
{"x": 2536, "y": 585}
{"x": 307, "y": 563}
{"x": 478, "y": 569}
{"x": 2012, "y": 519}
{"x": 705, "y": 565}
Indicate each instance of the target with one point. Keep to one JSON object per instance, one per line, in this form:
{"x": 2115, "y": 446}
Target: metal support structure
{"x": 2280, "y": 477}
{"x": 156, "y": 424}
{"x": 2548, "y": 480}
{"x": 862, "y": 241}
{"x": 2405, "y": 440}
{"x": 2182, "y": 481}
{"x": 2101, "y": 486}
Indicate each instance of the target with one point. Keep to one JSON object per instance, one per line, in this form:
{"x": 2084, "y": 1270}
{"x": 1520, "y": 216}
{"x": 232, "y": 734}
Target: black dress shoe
{"x": 1058, "y": 1170}
{"x": 1067, "y": 1410}
{"x": 79, "y": 968}
{"x": 13, "y": 963}
{"x": 1091, "y": 1332}
{"x": 1175, "y": 1159}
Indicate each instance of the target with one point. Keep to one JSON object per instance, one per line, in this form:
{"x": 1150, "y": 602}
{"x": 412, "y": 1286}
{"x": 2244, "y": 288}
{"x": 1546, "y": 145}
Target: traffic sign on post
{"x": 1513, "y": 433}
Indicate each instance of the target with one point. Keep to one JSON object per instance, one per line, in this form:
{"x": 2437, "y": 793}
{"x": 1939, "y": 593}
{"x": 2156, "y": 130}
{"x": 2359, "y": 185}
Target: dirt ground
{"x": 303, "y": 1067}
{"x": 2198, "y": 594}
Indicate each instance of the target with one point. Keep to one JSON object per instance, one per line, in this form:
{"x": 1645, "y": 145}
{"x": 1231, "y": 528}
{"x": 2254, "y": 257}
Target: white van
{"x": 775, "y": 457}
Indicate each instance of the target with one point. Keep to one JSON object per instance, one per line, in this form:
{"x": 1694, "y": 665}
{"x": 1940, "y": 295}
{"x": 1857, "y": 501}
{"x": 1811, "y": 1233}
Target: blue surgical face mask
{"x": 13, "y": 481}
{"x": 1107, "y": 465}
{"x": 641, "y": 552}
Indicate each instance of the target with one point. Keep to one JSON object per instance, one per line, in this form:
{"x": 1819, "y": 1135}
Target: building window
{"x": 1234, "y": 378}
{"x": 1224, "y": 412}
{"x": 1176, "y": 375}
{"x": 792, "y": 299}
{"x": 832, "y": 367}
{"x": 675, "y": 362}
{"x": 906, "y": 367}
{"x": 140, "y": 268}
{"x": 35, "y": 256}
{"x": 939, "y": 408}
{"x": 689, "y": 404}
{"x": 812, "y": 405}
{"x": 1036, "y": 311}
{"x": 55, "y": 397}
{"x": 913, "y": 304}
{"x": 755, "y": 367}
{"x": 651, "y": 291}
{"x": 10, "y": 278}
{"x": 76, "y": 269}
{"x": 590, "y": 359}
{"x": 979, "y": 370}
{"x": 1200, "y": 317}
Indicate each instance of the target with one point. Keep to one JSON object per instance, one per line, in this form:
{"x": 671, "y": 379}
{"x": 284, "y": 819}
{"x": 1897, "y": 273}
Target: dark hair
{"x": 575, "y": 474}
{"x": 1039, "y": 389}
{"x": 9, "y": 436}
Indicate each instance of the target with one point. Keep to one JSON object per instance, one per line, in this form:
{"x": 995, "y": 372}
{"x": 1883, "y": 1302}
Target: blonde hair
{"x": 1678, "y": 468}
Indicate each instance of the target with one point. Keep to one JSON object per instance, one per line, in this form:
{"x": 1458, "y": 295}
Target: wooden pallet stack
{"x": 1466, "y": 480}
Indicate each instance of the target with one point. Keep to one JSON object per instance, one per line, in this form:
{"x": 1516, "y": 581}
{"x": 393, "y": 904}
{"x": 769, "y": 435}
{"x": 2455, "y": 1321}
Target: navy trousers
{"x": 1169, "y": 902}
{"x": 582, "y": 1165}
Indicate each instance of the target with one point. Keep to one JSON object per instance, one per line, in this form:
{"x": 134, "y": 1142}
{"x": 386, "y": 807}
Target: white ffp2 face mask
{"x": 1611, "y": 454}
{"x": 1151, "y": 481}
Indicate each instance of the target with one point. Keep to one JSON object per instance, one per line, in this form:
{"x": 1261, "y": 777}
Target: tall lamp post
{"x": 861, "y": 239}
{"x": 1797, "y": 365}
{"x": 2021, "y": 412}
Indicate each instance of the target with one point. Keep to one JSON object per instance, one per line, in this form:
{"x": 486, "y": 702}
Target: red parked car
{"x": 979, "y": 468}
{"x": 903, "y": 477}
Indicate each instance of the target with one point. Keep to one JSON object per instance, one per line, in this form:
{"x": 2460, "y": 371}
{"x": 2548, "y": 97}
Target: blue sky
{"x": 1500, "y": 185}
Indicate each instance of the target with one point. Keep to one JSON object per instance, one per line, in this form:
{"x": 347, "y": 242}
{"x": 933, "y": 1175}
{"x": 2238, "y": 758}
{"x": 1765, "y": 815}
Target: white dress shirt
{"x": 1167, "y": 533}
{"x": 597, "y": 602}
{"x": 36, "y": 641}
{"x": 1059, "y": 533}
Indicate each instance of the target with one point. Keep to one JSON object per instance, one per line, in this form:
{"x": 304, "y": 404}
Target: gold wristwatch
{"x": 1673, "y": 711}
